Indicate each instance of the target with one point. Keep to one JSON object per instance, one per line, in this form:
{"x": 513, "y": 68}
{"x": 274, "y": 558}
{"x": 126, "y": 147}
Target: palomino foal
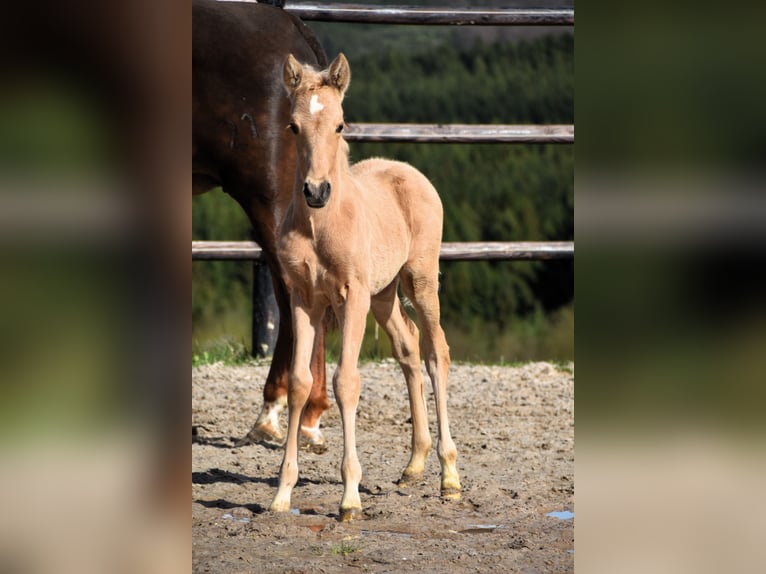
{"x": 351, "y": 235}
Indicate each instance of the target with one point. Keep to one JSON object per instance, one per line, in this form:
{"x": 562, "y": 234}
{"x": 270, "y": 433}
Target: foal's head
{"x": 317, "y": 121}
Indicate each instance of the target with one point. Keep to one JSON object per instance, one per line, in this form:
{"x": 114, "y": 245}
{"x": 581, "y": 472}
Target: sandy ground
{"x": 514, "y": 430}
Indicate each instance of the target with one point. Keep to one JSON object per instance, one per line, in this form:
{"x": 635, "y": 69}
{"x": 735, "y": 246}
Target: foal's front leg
{"x": 346, "y": 384}
{"x": 306, "y": 321}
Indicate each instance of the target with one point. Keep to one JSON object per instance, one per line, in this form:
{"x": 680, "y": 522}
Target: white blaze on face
{"x": 314, "y": 105}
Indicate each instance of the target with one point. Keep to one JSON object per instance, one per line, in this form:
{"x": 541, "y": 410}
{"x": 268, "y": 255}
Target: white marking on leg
{"x": 312, "y": 434}
{"x": 271, "y": 412}
{"x": 314, "y": 105}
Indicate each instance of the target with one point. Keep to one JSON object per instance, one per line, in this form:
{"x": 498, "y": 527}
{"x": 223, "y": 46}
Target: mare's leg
{"x": 306, "y": 322}
{"x": 403, "y": 334}
{"x": 266, "y": 427}
{"x": 421, "y": 284}
{"x": 352, "y": 313}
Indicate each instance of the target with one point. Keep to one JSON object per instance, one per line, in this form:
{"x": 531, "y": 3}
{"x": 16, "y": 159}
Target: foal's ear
{"x": 292, "y": 74}
{"x": 340, "y": 73}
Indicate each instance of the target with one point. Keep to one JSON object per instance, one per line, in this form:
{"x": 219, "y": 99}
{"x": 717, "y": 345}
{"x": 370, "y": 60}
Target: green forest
{"x": 492, "y": 311}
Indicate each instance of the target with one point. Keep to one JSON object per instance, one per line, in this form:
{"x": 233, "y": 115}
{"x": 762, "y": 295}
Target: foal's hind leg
{"x": 403, "y": 334}
{"x": 422, "y": 289}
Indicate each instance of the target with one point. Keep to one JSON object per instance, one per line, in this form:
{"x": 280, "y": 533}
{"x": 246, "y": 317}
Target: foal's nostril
{"x": 306, "y": 189}
{"x": 324, "y": 189}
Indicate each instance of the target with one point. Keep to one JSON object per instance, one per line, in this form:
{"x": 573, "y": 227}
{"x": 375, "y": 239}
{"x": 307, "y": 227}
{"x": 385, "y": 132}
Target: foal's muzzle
{"x": 317, "y": 195}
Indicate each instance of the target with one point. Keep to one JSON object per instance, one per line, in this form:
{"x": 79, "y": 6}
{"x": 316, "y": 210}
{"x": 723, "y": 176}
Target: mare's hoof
{"x": 264, "y": 434}
{"x": 451, "y": 494}
{"x": 316, "y": 448}
{"x": 312, "y": 441}
{"x": 349, "y": 514}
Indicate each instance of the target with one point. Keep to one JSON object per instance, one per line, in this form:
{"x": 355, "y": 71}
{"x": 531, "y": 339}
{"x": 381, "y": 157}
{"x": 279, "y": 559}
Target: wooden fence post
{"x": 265, "y": 312}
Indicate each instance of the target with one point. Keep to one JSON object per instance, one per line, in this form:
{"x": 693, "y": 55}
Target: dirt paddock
{"x": 514, "y": 430}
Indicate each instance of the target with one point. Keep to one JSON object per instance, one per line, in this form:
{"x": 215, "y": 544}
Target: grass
{"x": 536, "y": 338}
{"x": 236, "y": 353}
{"x": 225, "y": 351}
{"x": 564, "y": 366}
{"x": 347, "y": 546}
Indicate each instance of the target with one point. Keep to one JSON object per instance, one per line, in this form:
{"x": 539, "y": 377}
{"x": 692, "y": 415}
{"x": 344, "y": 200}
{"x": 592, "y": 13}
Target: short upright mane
{"x": 301, "y": 78}
{"x": 312, "y": 80}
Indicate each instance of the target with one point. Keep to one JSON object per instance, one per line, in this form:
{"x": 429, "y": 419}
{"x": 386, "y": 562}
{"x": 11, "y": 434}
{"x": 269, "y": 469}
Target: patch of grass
{"x": 347, "y": 546}
{"x": 224, "y": 351}
{"x": 564, "y": 366}
{"x": 375, "y": 344}
{"x": 538, "y": 337}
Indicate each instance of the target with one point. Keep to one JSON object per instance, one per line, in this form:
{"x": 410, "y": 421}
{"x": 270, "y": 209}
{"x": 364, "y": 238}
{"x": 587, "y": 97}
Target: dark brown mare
{"x": 240, "y": 112}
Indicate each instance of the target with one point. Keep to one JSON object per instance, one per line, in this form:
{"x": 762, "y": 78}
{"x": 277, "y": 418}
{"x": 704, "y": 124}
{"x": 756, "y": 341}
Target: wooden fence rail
{"x": 459, "y": 133}
{"x": 461, "y": 251}
{"x": 427, "y": 15}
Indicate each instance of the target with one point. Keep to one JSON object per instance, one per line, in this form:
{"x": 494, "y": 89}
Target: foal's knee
{"x": 436, "y": 351}
{"x": 346, "y": 384}
{"x": 299, "y": 388}
{"x": 405, "y": 340}
{"x": 407, "y": 352}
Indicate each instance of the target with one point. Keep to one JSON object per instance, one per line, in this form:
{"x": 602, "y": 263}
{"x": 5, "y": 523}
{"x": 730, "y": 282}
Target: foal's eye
{"x": 339, "y": 128}
{"x": 293, "y": 126}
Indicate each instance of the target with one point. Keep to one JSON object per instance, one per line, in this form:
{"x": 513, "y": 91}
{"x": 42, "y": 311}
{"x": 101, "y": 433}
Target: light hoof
{"x": 450, "y": 487}
{"x": 450, "y": 494}
{"x": 349, "y": 514}
{"x": 280, "y": 506}
{"x": 265, "y": 433}
{"x": 408, "y": 480}
{"x": 312, "y": 441}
